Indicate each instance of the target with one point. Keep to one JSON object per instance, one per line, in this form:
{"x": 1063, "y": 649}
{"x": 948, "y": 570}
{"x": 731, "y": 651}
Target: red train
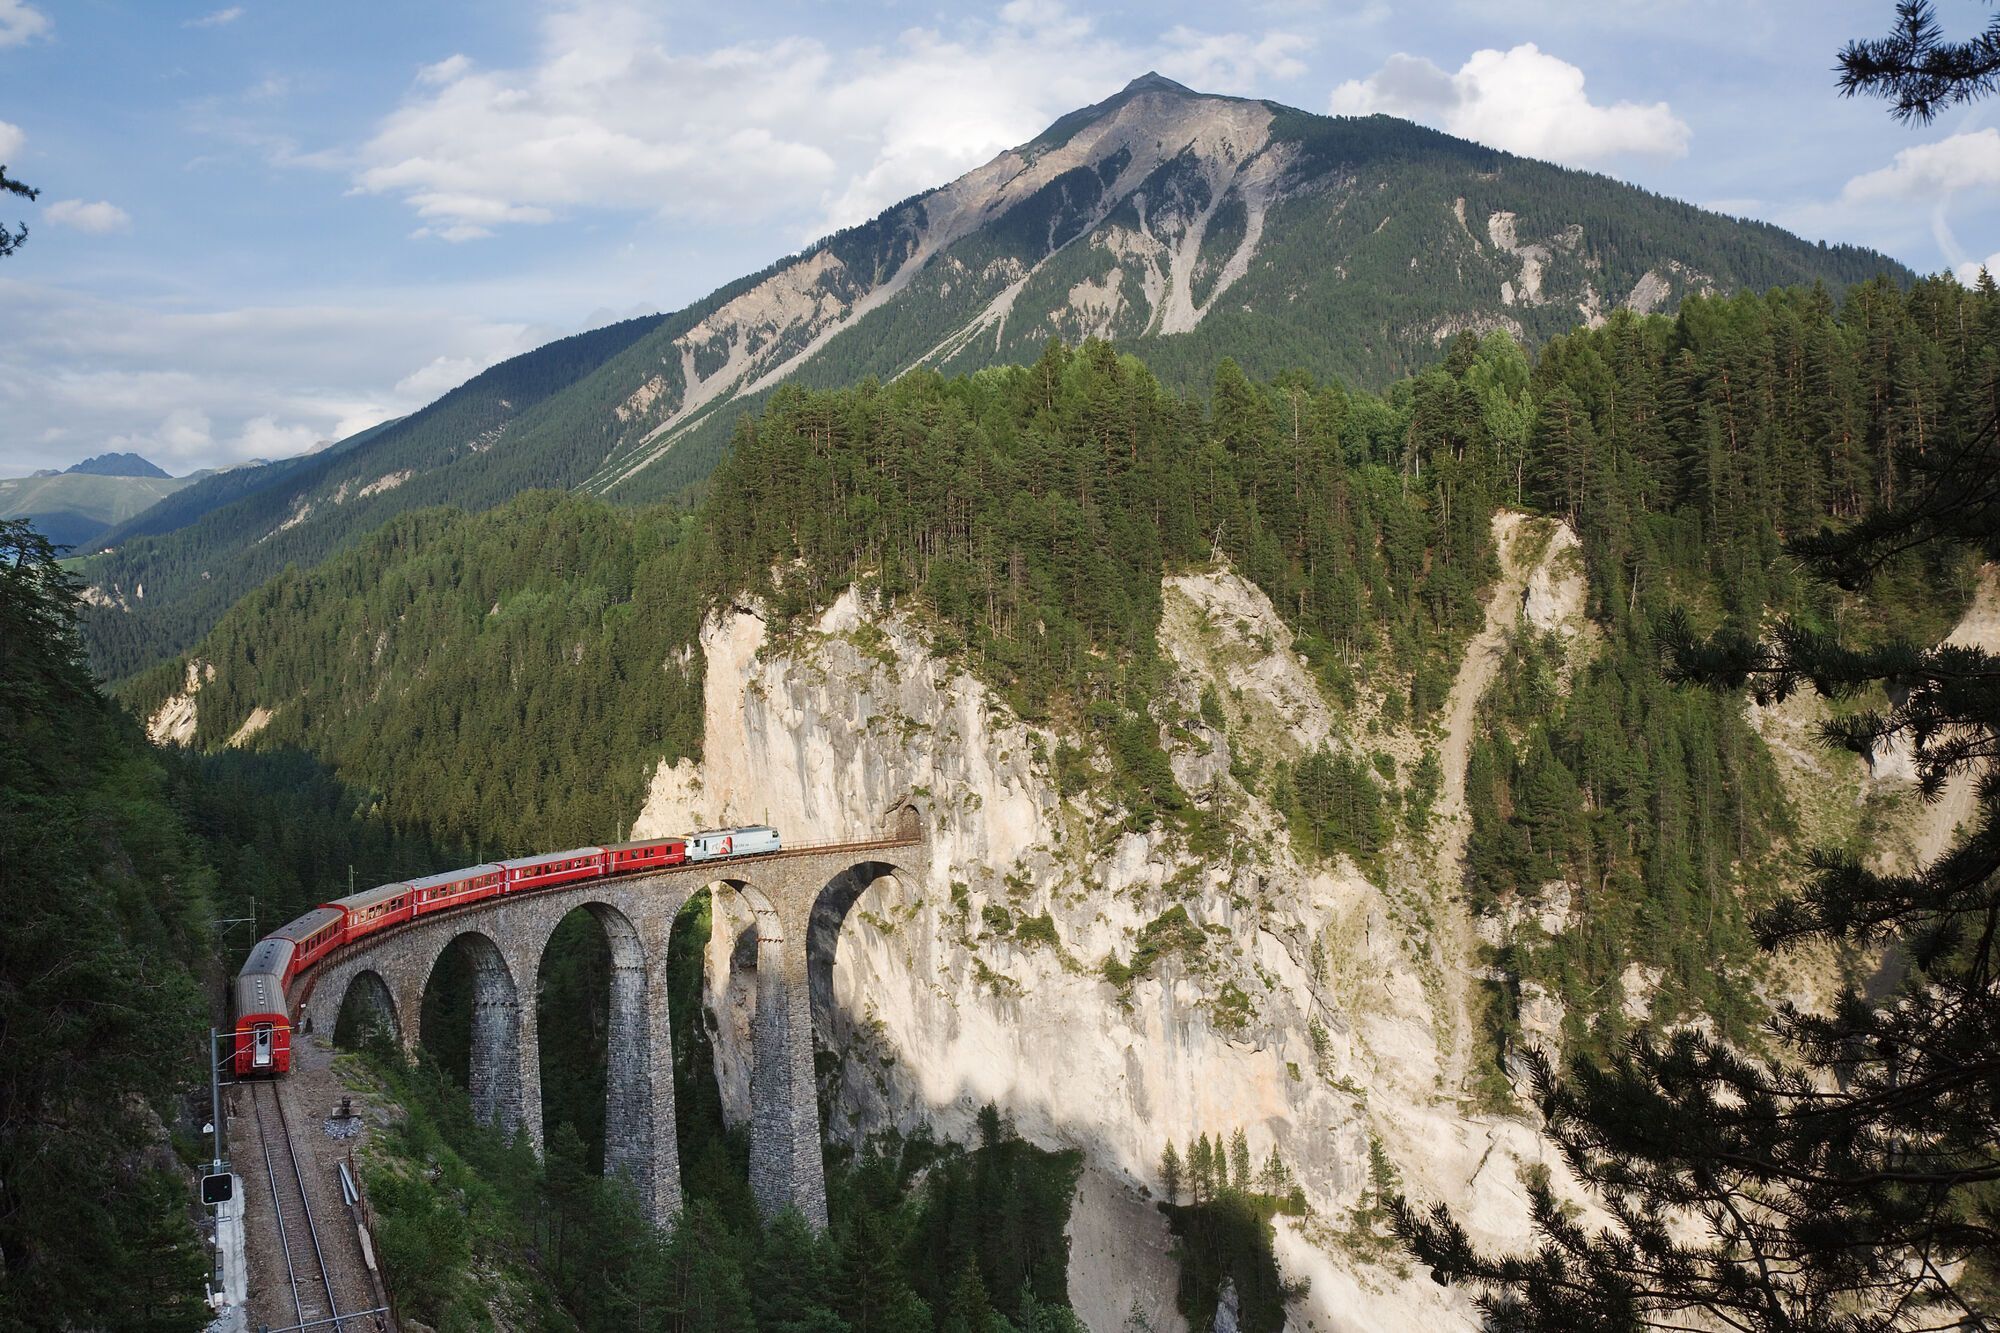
{"x": 265, "y": 985}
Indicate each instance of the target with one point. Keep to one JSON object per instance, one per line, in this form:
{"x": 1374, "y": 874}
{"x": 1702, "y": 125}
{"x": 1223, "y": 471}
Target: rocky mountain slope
{"x": 1187, "y": 227}
{"x": 1190, "y": 227}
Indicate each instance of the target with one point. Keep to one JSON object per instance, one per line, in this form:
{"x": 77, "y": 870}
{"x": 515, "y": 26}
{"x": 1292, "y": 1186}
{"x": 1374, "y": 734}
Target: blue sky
{"x": 266, "y": 224}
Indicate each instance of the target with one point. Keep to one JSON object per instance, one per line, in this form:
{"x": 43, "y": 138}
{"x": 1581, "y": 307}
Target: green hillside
{"x": 168, "y": 589}
{"x": 76, "y": 508}
{"x": 208, "y": 492}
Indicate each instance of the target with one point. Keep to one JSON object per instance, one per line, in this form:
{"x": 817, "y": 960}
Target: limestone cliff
{"x": 1319, "y": 1010}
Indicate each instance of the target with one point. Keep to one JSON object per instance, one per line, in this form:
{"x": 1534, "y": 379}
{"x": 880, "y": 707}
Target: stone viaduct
{"x": 506, "y": 938}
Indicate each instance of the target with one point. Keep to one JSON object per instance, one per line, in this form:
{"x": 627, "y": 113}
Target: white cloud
{"x": 1968, "y": 272}
{"x": 441, "y": 376}
{"x": 204, "y": 389}
{"x": 98, "y": 218}
{"x": 1522, "y": 100}
{"x": 216, "y": 19}
{"x": 444, "y": 71}
{"x": 1232, "y": 62}
{"x": 11, "y": 139}
{"x": 267, "y": 437}
{"x": 1929, "y": 171}
{"x": 610, "y": 115}
{"x": 21, "y": 22}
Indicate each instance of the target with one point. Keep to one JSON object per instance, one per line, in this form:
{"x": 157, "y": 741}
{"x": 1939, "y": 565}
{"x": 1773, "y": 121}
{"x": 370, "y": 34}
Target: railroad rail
{"x": 298, "y": 1232}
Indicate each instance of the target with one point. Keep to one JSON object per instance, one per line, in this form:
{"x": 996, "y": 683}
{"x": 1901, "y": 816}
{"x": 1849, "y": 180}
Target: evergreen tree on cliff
{"x": 1852, "y": 1180}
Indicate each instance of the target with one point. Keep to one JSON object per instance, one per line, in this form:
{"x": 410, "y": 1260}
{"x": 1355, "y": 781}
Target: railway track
{"x": 314, "y": 1304}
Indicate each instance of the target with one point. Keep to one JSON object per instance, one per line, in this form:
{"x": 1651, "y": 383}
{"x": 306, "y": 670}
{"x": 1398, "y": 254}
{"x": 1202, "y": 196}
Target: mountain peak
{"x": 1152, "y": 81}
{"x": 117, "y": 465}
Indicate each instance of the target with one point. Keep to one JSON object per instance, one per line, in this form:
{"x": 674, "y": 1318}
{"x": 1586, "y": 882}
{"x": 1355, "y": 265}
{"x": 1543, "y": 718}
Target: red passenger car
{"x": 626, "y": 858}
{"x": 312, "y": 935}
{"x": 263, "y": 1043}
{"x": 374, "y": 909}
{"x": 456, "y": 888}
{"x": 540, "y": 872}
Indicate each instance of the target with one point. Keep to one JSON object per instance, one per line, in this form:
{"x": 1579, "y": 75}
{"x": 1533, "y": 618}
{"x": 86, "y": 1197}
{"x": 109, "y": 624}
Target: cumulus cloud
{"x": 205, "y": 389}
{"x": 216, "y": 19}
{"x": 1523, "y": 100}
{"x": 1968, "y": 272}
{"x": 21, "y": 23}
{"x": 610, "y": 114}
{"x": 11, "y": 139}
{"x": 1929, "y": 171}
{"x": 99, "y": 218}
{"x": 1232, "y": 62}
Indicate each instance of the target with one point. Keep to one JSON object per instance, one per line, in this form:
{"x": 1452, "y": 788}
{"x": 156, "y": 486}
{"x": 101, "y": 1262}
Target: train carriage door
{"x": 260, "y": 1050}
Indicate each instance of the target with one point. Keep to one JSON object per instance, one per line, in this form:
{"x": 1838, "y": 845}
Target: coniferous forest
{"x": 1028, "y": 515}
{"x": 1674, "y": 534}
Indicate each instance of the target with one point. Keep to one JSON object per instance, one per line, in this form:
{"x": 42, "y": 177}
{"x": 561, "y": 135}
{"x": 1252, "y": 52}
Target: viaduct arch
{"x": 506, "y": 938}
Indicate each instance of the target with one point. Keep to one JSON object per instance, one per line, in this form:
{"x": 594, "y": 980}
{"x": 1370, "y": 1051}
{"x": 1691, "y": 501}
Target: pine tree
{"x": 868, "y": 1287}
{"x": 1201, "y": 1171}
{"x": 1274, "y": 1180}
{"x": 1170, "y": 1173}
{"x": 790, "y": 1278}
{"x": 1239, "y": 1160}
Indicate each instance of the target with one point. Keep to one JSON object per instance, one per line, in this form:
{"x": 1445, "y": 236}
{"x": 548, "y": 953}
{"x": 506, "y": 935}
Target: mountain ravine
{"x": 1320, "y": 1012}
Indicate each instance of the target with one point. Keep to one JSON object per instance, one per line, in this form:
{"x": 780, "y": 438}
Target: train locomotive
{"x": 264, "y": 988}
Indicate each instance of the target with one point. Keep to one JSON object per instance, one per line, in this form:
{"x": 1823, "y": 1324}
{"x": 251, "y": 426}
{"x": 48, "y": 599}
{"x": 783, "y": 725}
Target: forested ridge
{"x": 176, "y": 571}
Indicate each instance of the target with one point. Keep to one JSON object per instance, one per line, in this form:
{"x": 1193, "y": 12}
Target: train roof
{"x": 260, "y": 986}
{"x": 370, "y": 897}
{"x": 734, "y": 828}
{"x": 521, "y": 862}
{"x": 643, "y": 842}
{"x": 307, "y": 924}
{"x": 454, "y": 876}
{"x": 269, "y": 954}
{"x": 259, "y": 993}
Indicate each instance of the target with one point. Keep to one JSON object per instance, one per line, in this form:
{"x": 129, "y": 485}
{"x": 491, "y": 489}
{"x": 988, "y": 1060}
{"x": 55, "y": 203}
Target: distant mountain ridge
{"x": 1183, "y": 226}
{"x": 117, "y": 465}
{"x": 76, "y": 507}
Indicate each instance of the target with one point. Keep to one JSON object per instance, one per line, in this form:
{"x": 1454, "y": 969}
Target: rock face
{"x": 1314, "y": 1009}
{"x": 174, "y": 721}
